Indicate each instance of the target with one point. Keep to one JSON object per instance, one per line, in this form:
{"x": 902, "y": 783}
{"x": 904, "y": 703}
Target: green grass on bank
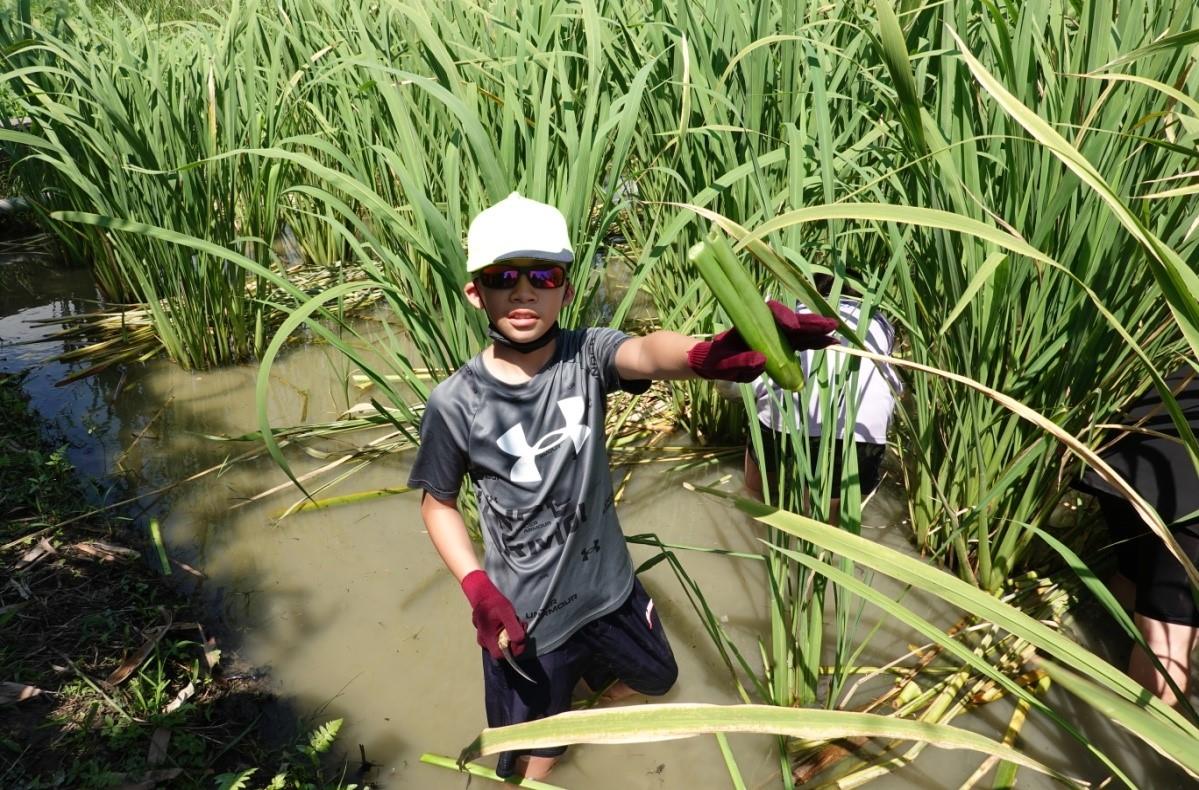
{"x": 165, "y": 10}
{"x": 109, "y": 676}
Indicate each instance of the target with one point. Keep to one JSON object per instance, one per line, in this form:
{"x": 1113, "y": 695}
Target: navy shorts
{"x": 1163, "y": 587}
{"x": 628, "y": 644}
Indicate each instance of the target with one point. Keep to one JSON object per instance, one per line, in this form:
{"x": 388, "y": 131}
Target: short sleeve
{"x": 441, "y": 460}
{"x": 881, "y": 339}
{"x": 599, "y": 348}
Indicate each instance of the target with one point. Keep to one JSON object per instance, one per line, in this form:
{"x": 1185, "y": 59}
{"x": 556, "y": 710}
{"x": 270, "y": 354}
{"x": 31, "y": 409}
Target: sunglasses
{"x": 503, "y": 278}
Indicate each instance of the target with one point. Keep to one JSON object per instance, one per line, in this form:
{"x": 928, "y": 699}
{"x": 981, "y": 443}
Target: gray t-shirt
{"x": 536, "y": 454}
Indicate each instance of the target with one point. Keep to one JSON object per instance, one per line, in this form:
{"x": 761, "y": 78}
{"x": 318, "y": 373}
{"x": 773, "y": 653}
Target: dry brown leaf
{"x": 158, "y": 747}
{"x": 153, "y": 636}
{"x": 116, "y": 549}
{"x": 11, "y": 693}
{"x": 183, "y": 696}
{"x": 35, "y": 555}
{"x": 189, "y": 569}
{"x": 105, "y": 552}
{"x": 150, "y": 779}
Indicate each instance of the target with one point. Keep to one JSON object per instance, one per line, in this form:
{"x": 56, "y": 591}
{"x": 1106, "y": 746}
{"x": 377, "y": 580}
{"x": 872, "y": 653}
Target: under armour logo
{"x": 592, "y": 549}
{"x": 513, "y": 442}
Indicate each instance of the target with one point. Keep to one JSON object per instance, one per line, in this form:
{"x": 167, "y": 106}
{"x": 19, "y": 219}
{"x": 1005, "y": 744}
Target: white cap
{"x": 517, "y": 227}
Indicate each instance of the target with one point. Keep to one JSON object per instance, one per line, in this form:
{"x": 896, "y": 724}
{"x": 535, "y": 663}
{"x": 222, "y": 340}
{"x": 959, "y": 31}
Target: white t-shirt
{"x": 877, "y": 385}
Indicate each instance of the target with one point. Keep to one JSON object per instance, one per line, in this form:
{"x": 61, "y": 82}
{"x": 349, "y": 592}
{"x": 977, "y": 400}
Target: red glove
{"x": 726, "y": 357}
{"x": 803, "y": 330}
{"x": 491, "y": 611}
{"x": 729, "y": 358}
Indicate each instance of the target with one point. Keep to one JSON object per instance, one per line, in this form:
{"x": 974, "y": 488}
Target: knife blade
{"x": 505, "y": 648}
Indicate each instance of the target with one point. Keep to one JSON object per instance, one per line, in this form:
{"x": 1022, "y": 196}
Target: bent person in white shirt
{"x": 876, "y": 389}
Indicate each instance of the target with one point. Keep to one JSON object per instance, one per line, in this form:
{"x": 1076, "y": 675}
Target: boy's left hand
{"x": 492, "y": 613}
{"x": 729, "y": 358}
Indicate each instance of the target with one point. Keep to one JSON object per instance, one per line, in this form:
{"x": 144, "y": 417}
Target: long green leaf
{"x": 1179, "y": 746}
{"x": 672, "y": 720}
{"x": 904, "y": 215}
{"x": 1142, "y": 507}
{"x": 1178, "y": 282}
{"x": 902, "y": 614}
{"x": 949, "y": 588}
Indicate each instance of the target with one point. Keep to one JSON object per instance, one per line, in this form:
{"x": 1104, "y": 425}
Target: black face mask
{"x": 498, "y": 337}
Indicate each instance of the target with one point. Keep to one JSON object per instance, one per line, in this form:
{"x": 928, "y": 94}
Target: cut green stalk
{"x": 739, "y": 296}
{"x": 474, "y": 769}
{"x": 159, "y": 547}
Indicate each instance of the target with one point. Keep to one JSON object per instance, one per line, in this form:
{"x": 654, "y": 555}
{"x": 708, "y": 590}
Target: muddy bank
{"x": 111, "y": 672}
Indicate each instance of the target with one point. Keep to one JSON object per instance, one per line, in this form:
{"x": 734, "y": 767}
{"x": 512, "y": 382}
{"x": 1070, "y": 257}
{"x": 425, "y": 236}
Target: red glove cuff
{"x": 476, "y": 585}
{"x": 726, "y": 357}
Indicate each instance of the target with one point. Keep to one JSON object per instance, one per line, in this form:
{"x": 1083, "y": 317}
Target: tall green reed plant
{"x": 134, "y": 119}
{"x": 978, "y": 477}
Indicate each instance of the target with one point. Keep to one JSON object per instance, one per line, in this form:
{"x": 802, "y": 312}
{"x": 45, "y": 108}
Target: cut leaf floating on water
{"x": 738, "y": 295}
{"x": 160, "y": 547}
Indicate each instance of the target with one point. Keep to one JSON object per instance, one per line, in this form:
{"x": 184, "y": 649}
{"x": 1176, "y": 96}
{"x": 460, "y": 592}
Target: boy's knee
{"x": 1172, "y": 644}
{"x": 671, "y": 676}
{"x": 536, "y": 768}
{"x": 663, "y": 680}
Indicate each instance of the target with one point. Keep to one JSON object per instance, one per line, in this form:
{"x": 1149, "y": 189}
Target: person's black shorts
{"x": 1163, "y": 588}
{"x": 628, "y": 644}
{"x": 870, "y": 458}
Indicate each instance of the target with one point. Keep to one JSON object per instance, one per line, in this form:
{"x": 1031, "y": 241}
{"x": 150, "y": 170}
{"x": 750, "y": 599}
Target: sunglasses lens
{"x": 502, "y": 277}
{"x": 547, "y": 277}
{"x": 505, "y": 277}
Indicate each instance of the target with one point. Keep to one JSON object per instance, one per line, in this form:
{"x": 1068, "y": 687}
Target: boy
{"x": 525, "y": 419}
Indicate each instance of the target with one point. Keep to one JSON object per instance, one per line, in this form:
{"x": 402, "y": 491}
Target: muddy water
{"x": 353, "y": 615}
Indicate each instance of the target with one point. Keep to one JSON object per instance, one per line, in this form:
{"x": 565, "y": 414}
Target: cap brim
{"x": 557, "y": 256}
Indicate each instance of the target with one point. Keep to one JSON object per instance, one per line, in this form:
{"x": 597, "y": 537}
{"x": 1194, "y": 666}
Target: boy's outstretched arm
{"x": 659, "y": 355}
{"x": 669, "y": 355}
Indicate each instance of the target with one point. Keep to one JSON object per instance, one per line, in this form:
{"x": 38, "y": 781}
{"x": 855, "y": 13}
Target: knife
{"x": 504, "y": 643}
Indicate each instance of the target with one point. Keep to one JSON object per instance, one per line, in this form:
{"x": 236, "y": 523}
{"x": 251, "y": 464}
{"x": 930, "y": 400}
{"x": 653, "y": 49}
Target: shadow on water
{"x": 350, "y": 610}
{"x": 98, "y": 419}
